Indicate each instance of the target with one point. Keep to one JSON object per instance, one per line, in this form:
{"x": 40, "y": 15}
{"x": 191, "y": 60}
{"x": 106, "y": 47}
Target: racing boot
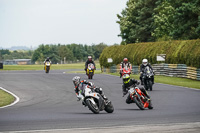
{"x": 124, "y": 91}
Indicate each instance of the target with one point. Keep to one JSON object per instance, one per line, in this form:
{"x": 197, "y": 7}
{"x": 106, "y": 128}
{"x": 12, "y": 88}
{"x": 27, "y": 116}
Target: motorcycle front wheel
{"x": 93, "y": 107}
{"x": 150, "y": 85}
{"x": 47, "y": 69}
{"x": 139, "y": 103}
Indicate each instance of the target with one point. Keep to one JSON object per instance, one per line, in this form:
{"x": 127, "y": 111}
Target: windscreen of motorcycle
{"x": 90, "y": 66}
{"x": 47, "y": 63}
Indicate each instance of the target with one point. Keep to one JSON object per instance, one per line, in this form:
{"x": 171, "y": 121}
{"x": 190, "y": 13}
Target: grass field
{"x": 172, "y": 81}
{"x": 5, "y": 98}
{"x": 41, "y": 67}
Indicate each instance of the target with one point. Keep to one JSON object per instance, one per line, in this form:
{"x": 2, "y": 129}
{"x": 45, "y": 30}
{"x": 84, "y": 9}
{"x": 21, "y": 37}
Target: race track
{"x": 48, "y": 101}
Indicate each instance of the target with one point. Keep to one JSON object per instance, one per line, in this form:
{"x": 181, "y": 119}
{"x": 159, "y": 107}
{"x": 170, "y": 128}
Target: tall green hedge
{"x": 177, "y": 52}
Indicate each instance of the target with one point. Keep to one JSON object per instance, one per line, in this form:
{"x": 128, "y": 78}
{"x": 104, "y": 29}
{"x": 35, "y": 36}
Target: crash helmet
{"x": 47, "y": 58}
{"x": 144, "y": 62}
{"x": 125, "y": 60}
{"x": 76, "y": 80}
{"x": 126, "y": 78}
{"x": 90, "y": 58}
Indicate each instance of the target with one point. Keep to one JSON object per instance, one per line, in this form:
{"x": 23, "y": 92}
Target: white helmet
{"x": 144, "y": 62}
{"x": 76, "y": 80}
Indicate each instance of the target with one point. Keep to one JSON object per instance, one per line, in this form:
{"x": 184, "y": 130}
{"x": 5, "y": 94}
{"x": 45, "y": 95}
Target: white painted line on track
{"x": 16, "y": 98}
{"x": 152, "y": 128}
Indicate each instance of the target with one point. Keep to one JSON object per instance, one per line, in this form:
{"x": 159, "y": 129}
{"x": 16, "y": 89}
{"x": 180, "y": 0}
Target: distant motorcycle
{"x": 148, "y": 78}
{"x": 126, "y": 70}
{"x": 95, "y": 102}
{"x": 90, "y": 70}
{"x": 138, "y": 97}
{"x": 47, "y": 66}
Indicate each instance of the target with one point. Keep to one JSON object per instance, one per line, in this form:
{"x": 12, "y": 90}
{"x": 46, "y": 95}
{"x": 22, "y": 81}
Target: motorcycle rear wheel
{"x": 150, "y": 105}
{"x": 109, "y": 108}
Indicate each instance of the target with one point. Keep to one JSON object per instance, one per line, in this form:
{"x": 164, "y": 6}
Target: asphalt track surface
{"x": 48, "y": 104}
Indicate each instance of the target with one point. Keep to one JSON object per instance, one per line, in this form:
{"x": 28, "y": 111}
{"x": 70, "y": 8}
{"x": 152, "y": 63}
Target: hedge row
{"x": 177, "y": 52}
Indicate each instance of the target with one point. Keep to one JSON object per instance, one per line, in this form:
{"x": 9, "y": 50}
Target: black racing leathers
{"x": 142, "y": 68}
{"x": 88, "y": 62}
{"x": 126, "y": 87}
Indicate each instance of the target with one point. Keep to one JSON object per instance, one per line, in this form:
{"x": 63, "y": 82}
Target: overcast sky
{"x": 34, "y": 22}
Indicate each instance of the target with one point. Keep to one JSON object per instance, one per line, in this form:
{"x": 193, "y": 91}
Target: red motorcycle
{"x": 139, "y": 98}
{"x": 126, "y": 71}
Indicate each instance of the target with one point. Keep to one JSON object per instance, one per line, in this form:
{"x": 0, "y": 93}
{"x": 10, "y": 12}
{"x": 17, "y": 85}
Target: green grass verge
{"x": 96, "y": 72}
{"x": 5, "y": 98}
{"x": 171, "y": 80}
{"x": 41, "y": 67}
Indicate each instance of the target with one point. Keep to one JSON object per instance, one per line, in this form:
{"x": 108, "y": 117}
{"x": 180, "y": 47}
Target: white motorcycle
{"x": 95, "y": 101}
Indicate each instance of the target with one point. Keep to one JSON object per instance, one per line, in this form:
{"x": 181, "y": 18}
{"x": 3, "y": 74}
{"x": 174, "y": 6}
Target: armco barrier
{"x": 173, "y": 70}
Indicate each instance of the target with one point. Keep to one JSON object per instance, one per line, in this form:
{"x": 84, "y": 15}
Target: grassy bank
{"x": 171, "y": 80}
{"x": 5, "y": 98}
{"x": 41, "y": 67}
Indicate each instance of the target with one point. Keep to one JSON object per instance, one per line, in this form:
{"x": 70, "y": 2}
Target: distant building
{"x": 17, "y": 62}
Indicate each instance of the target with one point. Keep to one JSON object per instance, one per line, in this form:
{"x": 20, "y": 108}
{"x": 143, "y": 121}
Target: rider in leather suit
{"x": 127, "y": 83}
{"x": 80, "y": 84}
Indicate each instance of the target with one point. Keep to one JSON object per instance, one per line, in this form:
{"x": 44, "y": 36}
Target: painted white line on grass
{"x": 16, "y": 98}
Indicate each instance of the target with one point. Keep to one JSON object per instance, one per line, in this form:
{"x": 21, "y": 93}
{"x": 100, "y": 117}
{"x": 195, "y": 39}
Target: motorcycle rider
{"x": 80, "y": 85}
{"x": 124, "y": 64}
{"x": 47, "y": 60}
{"x": 142, "y": 68}
{"x": 127, "y": 83}
{"x": 88, "y": 62}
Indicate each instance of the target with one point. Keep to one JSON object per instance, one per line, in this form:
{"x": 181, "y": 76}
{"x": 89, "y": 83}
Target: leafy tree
{"x": 136, "y": 21}
{"x": 150, "y": 20}
{"x": 4, "y": 51}
{"x": 72, "y": 52}
{"x": 163, "y": 20}
{"x": 98, "y": 49}
{"x": 187, "y": 20}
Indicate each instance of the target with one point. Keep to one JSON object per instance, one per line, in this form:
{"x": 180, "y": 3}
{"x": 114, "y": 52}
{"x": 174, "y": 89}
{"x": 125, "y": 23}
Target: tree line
{"x": 56, "y": 53}
{"x": 159, "y": 20}
{"x": 6, "y": 54}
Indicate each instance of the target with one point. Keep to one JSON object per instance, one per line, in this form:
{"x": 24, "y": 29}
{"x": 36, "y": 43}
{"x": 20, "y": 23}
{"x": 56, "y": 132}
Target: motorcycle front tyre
{"x": 150, "y": 85}
{"x": 91, "y": 106}
{"x": 47, "y": 70}
{"x": 138, "y": 103}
